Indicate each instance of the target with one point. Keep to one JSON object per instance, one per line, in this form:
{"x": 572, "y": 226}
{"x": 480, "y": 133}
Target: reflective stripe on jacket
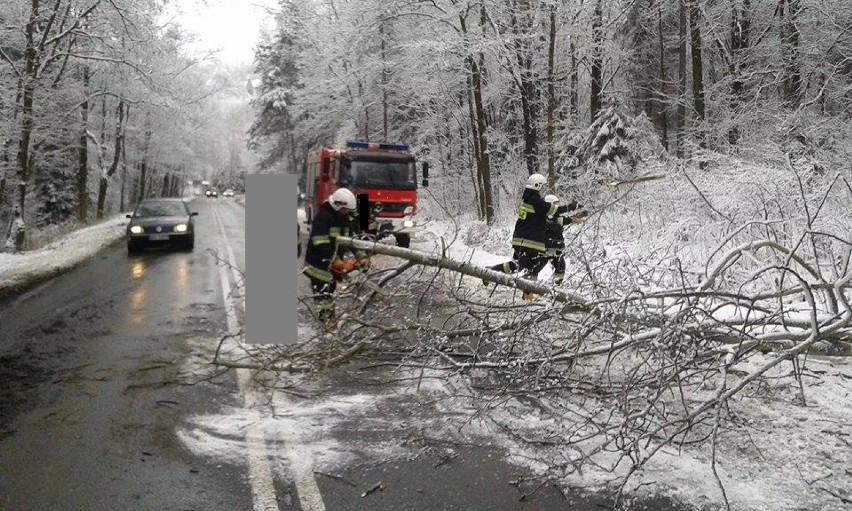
{"x": 327, "y": 225}
{"x": 530, "y": 226}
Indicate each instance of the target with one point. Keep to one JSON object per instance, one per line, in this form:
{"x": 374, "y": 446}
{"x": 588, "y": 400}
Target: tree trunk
{"x": 143, "y": 177}
{"x": 681, "y": 80}
{"x": 574, "y": 88}
{"x": 482, "y": 123}
{"x": 551, "y": 97}
{"x": 697, "y": 70}
{"x": 463, "y": 267}
{"x": 134, "y": 187}
{"x": 597, "y": 62}
{"x": 740, "y": 27}
{"x": 116, "y": 156}
{"x": 479, "y": 124}
{"x": 384, "y": 83}
{"x": 661, "y": 79}
{"x": 792, "y": 88}
{"x": 121, "y": 204}
{"x": 521, "y": 26}
{"x": 475, "y": 171}
{"x": 697, "y": 67}
{"x": 366, "y": 111}
{"x": 3, "y": 184}
{"x": 7, "y": 144}
{"x": 165, "y": 192}
{"x": 83, "y": 153}
{"x": 143, "y": 169}
{"x": 27, "y": 100}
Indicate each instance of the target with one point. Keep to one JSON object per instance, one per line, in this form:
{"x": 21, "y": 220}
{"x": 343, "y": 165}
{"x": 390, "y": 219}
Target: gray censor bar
{"x": 272, "y": 265}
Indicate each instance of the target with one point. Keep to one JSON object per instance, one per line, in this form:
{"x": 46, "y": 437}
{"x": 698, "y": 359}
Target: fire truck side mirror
{"x": 425, "y": 174}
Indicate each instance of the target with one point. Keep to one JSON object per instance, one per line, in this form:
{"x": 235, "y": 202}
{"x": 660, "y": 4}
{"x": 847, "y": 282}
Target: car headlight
{"x": 408, "y": 223}
{"x": 136, "y": 229}
{"x": 408, "y": 210}
{"x": 180, "y": 228}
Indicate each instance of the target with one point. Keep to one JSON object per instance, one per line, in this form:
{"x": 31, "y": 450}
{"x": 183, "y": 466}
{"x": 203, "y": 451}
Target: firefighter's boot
{"x": 325, "y": 310}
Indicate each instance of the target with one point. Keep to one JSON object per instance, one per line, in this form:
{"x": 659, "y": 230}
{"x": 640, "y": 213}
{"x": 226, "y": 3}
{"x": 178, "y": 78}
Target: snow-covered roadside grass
{"x": 18, "y": 271}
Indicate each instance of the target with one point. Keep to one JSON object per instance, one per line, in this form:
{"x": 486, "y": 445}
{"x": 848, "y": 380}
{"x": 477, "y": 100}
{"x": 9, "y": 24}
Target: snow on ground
{"x": 18, "y": 270}
{"x": 780, "y": 456}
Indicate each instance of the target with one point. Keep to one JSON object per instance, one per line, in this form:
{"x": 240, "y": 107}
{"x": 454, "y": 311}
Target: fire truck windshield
{"x": 393, "y": 174}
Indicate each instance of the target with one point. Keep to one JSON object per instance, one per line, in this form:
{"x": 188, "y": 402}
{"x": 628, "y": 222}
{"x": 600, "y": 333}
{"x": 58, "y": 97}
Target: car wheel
{"x": 132, "y": 248}
{"x": 190, "y": 245}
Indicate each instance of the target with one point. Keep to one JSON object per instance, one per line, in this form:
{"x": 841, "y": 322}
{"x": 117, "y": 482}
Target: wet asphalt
{"x": 99, "y": 368}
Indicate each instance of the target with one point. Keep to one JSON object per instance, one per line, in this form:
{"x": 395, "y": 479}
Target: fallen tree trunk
{"x": 577, "y": 302}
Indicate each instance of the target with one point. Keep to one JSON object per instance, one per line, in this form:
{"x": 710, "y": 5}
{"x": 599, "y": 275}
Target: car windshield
{"x": 388, "y": 173}
{"x": 161, "y": 209}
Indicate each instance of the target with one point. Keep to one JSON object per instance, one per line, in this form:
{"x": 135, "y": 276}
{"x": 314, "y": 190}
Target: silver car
{"x": 161, "y": 222}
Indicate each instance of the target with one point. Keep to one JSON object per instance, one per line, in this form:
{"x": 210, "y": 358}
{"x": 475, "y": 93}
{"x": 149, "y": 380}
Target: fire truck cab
{"x": 385, "y": 173}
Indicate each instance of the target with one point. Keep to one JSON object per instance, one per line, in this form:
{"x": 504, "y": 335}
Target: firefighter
{"x": 528, "y": 239}
{"x": 323, "y": 265}
{"x": 554, "y": 234}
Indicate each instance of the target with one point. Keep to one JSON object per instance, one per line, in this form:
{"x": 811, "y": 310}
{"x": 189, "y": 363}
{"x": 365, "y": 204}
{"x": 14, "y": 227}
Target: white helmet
{"x": 551, "y": 198}
{"x": 343, "y": 198}
{"x": 536, "y": 182}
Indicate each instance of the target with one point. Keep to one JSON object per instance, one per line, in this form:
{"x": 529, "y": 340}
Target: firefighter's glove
{"x": 580, "y": 216}
{"x": 363, "y": 263}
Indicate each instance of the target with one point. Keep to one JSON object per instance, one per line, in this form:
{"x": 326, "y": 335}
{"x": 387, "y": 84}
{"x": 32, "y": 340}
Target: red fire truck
{"x": 386, "y": 173}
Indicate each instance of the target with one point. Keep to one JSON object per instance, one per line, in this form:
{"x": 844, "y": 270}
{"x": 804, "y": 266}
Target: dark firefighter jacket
{"x": 554, "y": 228}
{"x": 327, "y": 225}
{"x": 532, "y": 215}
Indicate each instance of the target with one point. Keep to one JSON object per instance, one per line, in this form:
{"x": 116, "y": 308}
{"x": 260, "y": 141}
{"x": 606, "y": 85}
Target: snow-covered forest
{"x": 100, "y": 106}
{"x": 711, "y": 141}
{"x": 489, "y": 91}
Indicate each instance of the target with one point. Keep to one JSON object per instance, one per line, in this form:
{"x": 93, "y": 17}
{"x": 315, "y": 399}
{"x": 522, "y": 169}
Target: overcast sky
{"x": 231, "y": 26}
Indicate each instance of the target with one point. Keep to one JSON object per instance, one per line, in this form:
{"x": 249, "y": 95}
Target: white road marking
{"x": 260, "y": 473}
{"x": 259, "y": 469}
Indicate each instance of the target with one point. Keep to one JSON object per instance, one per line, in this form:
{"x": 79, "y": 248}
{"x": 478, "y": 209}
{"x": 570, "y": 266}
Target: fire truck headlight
{"x": 408, "y": 210}
{"x": 408, "y": 224}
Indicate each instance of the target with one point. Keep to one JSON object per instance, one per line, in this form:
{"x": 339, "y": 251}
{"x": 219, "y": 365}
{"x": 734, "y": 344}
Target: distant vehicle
{"x": 160, "y": 222}
{"x": 212, "y": 193}
{"x": 228, "y": 193}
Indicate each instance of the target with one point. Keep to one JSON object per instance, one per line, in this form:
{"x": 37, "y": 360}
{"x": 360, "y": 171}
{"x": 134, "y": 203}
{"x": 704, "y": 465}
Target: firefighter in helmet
{"x": 554, "y": 234}
{"x": 324, "y": 265}
{"x": 529, "y": 239}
